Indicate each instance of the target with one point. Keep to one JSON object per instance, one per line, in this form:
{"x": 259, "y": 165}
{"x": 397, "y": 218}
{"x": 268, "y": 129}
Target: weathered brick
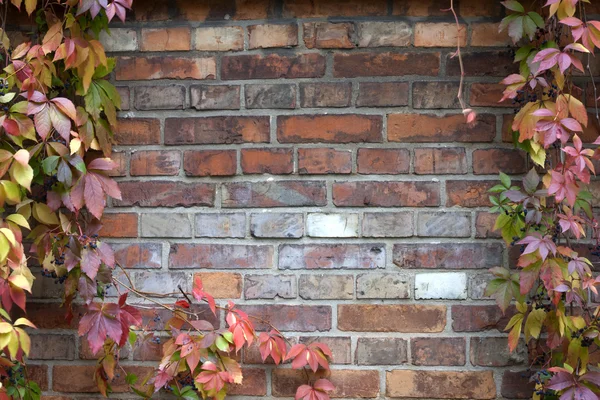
{"x": 332, "y": 256}
{"x": 386, "y": 194}
{"x": 440, "y": 34}
{"x": 219, "y": 38}
{"x": 435, "y": 95}
{"x": 119, "y": 158}
{"x": 255, "y": 383}
{"x": 441, "y": 384}
{"x": 328, "y": 8}
{"x": 434, "y": 351}
{"x": 324, "y": 161}
{"x": 210, "y": 162}
{"x": 216, "y": 130}
{"x": 277, "y": 225}
{"x": 269, "y": 287}
{"x": 517, "y": 385}
{"x": 321, "y": 94}
{"x": 487, "y": 95}
{"x": 166, "y": 225}
{"x": 270, "y": 96}
{"x": 590, "y": 98}
{"x": 52, "y": 347}
{"x": 137, "y": 131}
{"x": 382, "y": 286}
{"x": 160, "y": 97}
{"x": 327, "y": 35}
{"x": 423, "y": 8}
{"x": 221, "y": 285}
{"x": 165, "y": 194}
{"x": 166, "y": 39}
{"x": 383, "y": 161}
{"x": 79, "y": 378}
{"x": 377, "y": 94}
{"x": 222, "y": 256}
{"x": 47, "y": 316}
{"x": 441, "y": 285}
{"x": 163, "y": 67}
{"x": 477, "y": 286}
{"x": 487, "y": 34}
{"x": 340, "y": 347}
{"x": 444, "y": 224}
{"x": 391, "y": 318}
{"x": 300, "y": 318}
{"x": 477, "y": 318}
{"x": 448, "y": 255}
{"x": 346, "y": 128}
{"x": 468, "y": 193}
{"x": 492, "y": 161}
{"x": 159, "y": 162}
{"x": 352, "y": 65}
{"x": 480, "y": 8}
{"x": 119, "y": 225}
{"x": 268, "y": 161}
{"x": 274, "y": 194}
{"x": 138, "y": 255}
{"x": 215, "y": 97}
{"x": 272, "y": 66}
{"x": 348, "y": 383}
{"x": 484, "y": 225}
{"x": 383, "y": 34}
{"x": 381, "y": 351}
{"x": 431, "y": 160}
{"x": 119, "y": 39}
{"x": 387, "y": 224}
{"x": 150, "y": 11}
{"x": 483, "y": 63}
{"x": 272, "y": 35}
{"x": 494, "y": 352}
{"x": 221, "y": 225}
{"x": 326, "y": 287}
{"x": 162, "y": 282}
{"x": 125, "y": 97}
{"x": 432, "y": 128}
{"x": 332, "y": 225}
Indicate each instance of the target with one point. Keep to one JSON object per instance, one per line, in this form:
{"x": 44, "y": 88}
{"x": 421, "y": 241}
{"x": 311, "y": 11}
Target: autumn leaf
{"x": 101, "y": 321}
{"x": 313, "y": 355}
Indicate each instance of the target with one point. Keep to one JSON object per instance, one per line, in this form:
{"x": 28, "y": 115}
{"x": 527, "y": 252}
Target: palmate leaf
{"x": 101, "y": 321}
{"x": 504, "y": 288}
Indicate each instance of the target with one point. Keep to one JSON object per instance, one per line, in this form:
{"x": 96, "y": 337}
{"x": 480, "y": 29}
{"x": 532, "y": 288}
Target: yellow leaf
{"x": 44, "y": 214}
{"x": 30, "y": 6}
{"x": 9, "y": 235}
{"x": 19, "y": 220}
{"x": 75, "y": 145}
{"x": 4, "y": 248}
{"x": 20, "y": 281}
{"x": 24, "y": 322}
{"x": 24, "y": 340}
{"x": 5, "y": 41}
{"x": 13, "y": 343}
{"x": 4, "y": 339}
{"x": 5, "y": 327}
{"x": 533, "y": 325}
{"x": 22, "y": 174}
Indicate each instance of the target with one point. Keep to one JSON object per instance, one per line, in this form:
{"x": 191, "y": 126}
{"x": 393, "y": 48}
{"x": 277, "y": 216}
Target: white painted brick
{"x": 119, "y": 39}
{"x": 441, "y": 285}
{"x": 332, "y": 225}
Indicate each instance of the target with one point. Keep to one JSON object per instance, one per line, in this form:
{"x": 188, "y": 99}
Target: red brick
{"x": 348, "y": 383}
{"x": 469, "y": 193}
{"x": 346, "y": 128}
{"x": 324, "y": 161}
{"x": 440, "y": 34}
{"x": 332, "y": 256}
{"x": 351, "y": 65}
{"x": 171, "y": 97}
{"x": 327, "y": 35}
{"x": 340, "y": 347}
{"x": 483, "y": 63}
{"x": 119, "y": 158}
{"x": 386, "y": 194}
{"x": 221, "y": 285}
{"x": 165, "y": 194}
{"x": 216, "y": 130}
{"x": 274, "y": 194}
{"x": 219, "y": 38}
{"x": 268, "y": 161}
{"x": 493, "y": 161}
{"x": 51, "y": 316}
{"x": 477, "y": 318}
{"x": 386, "y": 94}
{"x": 162, "y": 67}
{"x": 330, "y": 8}
{"x": 381, "y": 351}
{"x": 488, "y": 95}
{"x": 215, "y": 97}
{"x": 517, "y": 384}
{"x": 119, "y": 225}
{"x": 301, "y": 318}
{"x": 254, "y": 384}
{"x": 487, "y": 34}
{"x": 222, "y": 256}
{"x": 166, "y": 39}
{"x": 383, "y": 161}
{"x": 441, "y": 384}
{"x": 210, "y": 162}
{"x": 484, "y": 225}
{"x": 436, "y": 351}
{"x": 80, "y": 378}
{"x": 432, "y": 128}
{"x": 325, "y": 94}
{"x": 391, "y": 318}
{"x": 52, "y": 347}
{"x": 39, "y": 375}
{"x": 435, "y": 94}
{"x": 155, "y": 163}
{"x": 138, "y": 255}
{"x": 440, "y": 161}
{"x": 272, "y": 66}
{"x": 272, "y": 35}
{"x": 448, "y": 255}
{"x": 137, "y": 131}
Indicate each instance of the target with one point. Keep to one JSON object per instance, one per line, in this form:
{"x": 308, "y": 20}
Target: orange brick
{"x": 210, "y": 162}
{"x": 166, "y": 39}
{"x": 119, "y": 225}
{"x": 441, "y": 384}
{"x": 222, "y": 285}
{"x": 486, "y": 34}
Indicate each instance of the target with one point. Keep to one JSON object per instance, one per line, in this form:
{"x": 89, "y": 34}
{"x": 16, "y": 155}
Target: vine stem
{"x": 458, "y": 54}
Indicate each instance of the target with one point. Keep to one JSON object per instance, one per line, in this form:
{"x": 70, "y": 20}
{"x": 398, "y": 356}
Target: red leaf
{"x": 94, "y": 195}
{"x": 182, "y": 304}
{"x": 101, "y": 321}
{"x": 90, "y": 262}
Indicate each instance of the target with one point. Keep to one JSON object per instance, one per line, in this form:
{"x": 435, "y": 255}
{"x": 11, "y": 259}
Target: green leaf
{"x": 505, "y": 180}
{"x": 513, "y": 5}
{"x": 537, "y": 19}
{"x": 101, "y": 70}
{"x": 222, "y": 344}
{"x": 49, "y": 164}
{"x": 131, "y": 379}
{"x": 529, "y": 27}
{"x": 132, "y": 338}
{"x": 523, "y": 52}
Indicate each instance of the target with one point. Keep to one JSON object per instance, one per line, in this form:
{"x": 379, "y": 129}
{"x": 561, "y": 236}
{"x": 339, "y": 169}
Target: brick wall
{"x": 308, "y": 159}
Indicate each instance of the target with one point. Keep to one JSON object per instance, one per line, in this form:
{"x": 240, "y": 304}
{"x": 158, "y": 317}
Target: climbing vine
{"x": 58, "y": 112}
